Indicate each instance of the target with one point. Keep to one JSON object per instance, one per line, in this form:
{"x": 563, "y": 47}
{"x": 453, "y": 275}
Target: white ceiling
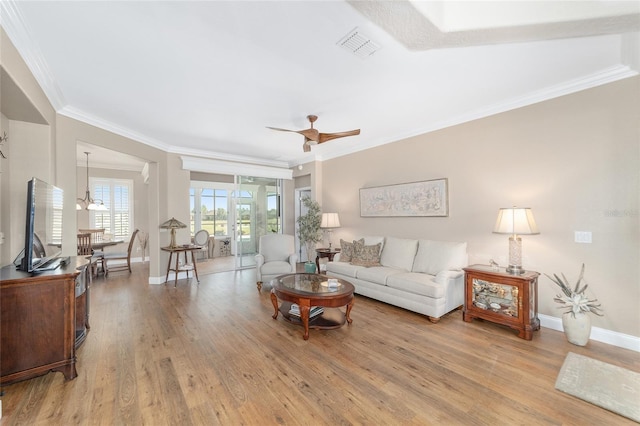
{"x": 205, "y": 78}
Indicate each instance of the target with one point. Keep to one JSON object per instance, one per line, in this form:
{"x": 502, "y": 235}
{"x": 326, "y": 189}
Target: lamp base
{"x": 515, "y": 256}
{"x": 515, "y": 270}
{"x": 173, "y": 238}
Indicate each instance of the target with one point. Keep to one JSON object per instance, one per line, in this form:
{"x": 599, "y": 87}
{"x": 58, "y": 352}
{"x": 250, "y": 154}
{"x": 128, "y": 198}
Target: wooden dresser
{"x": 43, "y": 318}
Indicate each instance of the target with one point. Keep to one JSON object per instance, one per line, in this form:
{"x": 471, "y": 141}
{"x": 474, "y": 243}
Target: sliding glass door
{"x": 257, "y": 211}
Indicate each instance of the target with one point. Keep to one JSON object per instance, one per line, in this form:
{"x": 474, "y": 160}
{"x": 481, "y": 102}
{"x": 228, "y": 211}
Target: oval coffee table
{"x": 307, "y": 290}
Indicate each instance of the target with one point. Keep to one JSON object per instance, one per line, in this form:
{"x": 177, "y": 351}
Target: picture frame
{"x": 429, "y": 198}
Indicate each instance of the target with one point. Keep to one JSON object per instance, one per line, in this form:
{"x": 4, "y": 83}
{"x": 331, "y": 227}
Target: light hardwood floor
{"x": 211, "y": 354}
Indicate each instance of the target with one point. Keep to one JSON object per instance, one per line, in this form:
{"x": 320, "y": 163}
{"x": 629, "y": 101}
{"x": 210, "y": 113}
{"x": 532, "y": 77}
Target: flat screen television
{"x": 43, "y": 231}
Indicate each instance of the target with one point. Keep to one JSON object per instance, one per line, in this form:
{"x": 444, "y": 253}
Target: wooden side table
{"x": 186, "y": 267}
{"x": 503, "y": 298}
{"x": 325, "y": 252}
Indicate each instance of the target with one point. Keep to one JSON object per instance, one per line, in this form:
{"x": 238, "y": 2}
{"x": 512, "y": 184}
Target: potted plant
{"x": 309, "y": 230}
{"x": 575, "y": 320}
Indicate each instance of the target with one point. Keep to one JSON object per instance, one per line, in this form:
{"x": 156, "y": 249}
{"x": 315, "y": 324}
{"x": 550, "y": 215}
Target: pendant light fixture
{"x": 87, "y": 202}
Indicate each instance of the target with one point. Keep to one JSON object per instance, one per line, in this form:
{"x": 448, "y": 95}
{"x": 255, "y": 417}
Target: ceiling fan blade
{"x": 309, "y": 134}
{"x": 313, "y": 137}
{"x": 281, "y": 130}
{"x": 324, "y": 137}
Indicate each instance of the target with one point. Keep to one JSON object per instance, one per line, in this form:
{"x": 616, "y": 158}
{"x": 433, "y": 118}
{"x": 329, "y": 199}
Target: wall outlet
{"x": 583, "y": 237}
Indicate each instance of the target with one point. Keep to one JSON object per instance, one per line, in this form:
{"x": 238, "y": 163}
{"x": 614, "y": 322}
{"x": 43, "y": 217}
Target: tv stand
{"x": 50, "y": 265}
{"x": 43, "y": 319}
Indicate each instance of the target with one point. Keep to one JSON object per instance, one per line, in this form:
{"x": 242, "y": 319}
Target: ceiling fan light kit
{"x": 313, "y": 137}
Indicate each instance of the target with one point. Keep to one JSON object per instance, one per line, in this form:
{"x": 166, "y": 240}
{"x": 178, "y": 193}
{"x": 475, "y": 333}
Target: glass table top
{"x": 312, "y": 284}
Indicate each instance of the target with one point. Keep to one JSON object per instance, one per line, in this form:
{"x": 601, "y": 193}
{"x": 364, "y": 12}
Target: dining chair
{"x": 38, "y": 248}
{"x": 97, "y": 236}
{"x": 85, "y": 250}
{"x": 84, "y": 244}
{"x": 119, "y": 256}
{"x": 201, "y": 238}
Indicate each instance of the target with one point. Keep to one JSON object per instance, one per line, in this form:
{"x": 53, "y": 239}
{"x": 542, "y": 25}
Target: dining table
{"x": 99, "y": 245}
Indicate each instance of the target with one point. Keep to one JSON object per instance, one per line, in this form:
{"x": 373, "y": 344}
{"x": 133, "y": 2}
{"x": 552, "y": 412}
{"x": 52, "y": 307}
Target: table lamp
{"x": 515, "y": 221}
{"x": 173, "y": 224}
{"x": 329, "y": 222}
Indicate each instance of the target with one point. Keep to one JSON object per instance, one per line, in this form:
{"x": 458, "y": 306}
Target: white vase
{"x": 577, "y": 328}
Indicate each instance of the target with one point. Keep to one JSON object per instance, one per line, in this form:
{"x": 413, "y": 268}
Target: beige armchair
{"x": 276, "y": 256}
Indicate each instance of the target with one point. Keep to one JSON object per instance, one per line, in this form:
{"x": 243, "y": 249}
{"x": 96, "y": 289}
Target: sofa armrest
{"x": 454, "y": 283}
{"x": 336, "y": 257}
{"x": 293, "y": 260}
{"x": 444, "y": 276}
{"x": 259, "y": 263}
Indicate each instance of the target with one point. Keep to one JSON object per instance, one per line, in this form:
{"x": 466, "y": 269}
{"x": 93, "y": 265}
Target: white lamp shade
{"x": 516, "y": 221}
{"x": 330, "y": 220}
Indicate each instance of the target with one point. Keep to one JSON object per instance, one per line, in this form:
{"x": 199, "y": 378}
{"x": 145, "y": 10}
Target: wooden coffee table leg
{"x": 304, "y": 316}
{"x": 274, "y": 300}
{"x": 348, "y": 314}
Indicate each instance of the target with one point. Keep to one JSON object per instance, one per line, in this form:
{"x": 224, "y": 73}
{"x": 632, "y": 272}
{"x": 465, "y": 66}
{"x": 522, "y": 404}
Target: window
{"x": 56, "y": 220}
{"x": 209, "y": 210}
{"x": 117, "y": 196}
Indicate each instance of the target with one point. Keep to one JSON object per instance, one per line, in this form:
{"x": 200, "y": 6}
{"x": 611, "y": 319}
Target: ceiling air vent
{"x": 359, "y": 44}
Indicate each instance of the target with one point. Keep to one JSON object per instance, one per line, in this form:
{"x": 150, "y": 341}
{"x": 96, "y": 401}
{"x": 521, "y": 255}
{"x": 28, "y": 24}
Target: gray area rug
{"x": 608, "y": 386}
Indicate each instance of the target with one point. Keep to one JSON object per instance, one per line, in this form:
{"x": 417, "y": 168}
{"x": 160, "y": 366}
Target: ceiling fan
{"x": 313, "y": 137}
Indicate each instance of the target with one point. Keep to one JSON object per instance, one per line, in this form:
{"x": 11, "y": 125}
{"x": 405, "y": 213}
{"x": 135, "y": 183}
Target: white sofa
{"x": 422, "y": 276}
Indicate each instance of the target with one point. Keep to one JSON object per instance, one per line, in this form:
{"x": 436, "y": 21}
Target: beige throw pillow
{"x": 346, "y": 250}
{"x": 366, "y": 255}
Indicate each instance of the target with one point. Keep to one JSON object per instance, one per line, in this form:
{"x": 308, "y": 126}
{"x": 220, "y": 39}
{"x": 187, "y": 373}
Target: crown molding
{"x": 92, "y": 120}
{"x": 15, "y": 27}
{"x": 209, "y": 165}
{"x": 113, "y": 166}
{"x": 600, "y": 78}
{"x": 630, "y": 47}
{"x": 229, "y": 157}
{"x": 79, "y": 115}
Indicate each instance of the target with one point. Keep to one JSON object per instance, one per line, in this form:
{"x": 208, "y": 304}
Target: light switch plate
{"x": 583, "y": 237}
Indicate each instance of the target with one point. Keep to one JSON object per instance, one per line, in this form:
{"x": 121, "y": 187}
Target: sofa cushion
{"x": 343, "y": 268}
{"x": 365, "y": 255}
{"x": 377, "y": 274}
{"x": 373, "y": 240}
{"x": 346, "y": 250}
{"x": 436, "y": 256}
{"x": 399, "y": 253}
{"x": 417, "y": 283}
{"x": 276, "y": 267}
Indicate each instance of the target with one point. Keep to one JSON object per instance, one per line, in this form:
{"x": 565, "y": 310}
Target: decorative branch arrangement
{"x": 309, "y": 226}
{"x": 574, "y": 300}
{"x": 3, "y": 139}
{"x": 143, "y": 240}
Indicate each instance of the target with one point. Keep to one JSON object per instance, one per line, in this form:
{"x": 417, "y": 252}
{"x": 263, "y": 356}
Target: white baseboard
{"x": 156, "y": 280}
{"x": 625, "y": 341}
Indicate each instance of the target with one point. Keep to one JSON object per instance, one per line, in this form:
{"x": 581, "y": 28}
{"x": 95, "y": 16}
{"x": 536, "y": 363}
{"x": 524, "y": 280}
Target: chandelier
{"x": 87, "y": 202}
